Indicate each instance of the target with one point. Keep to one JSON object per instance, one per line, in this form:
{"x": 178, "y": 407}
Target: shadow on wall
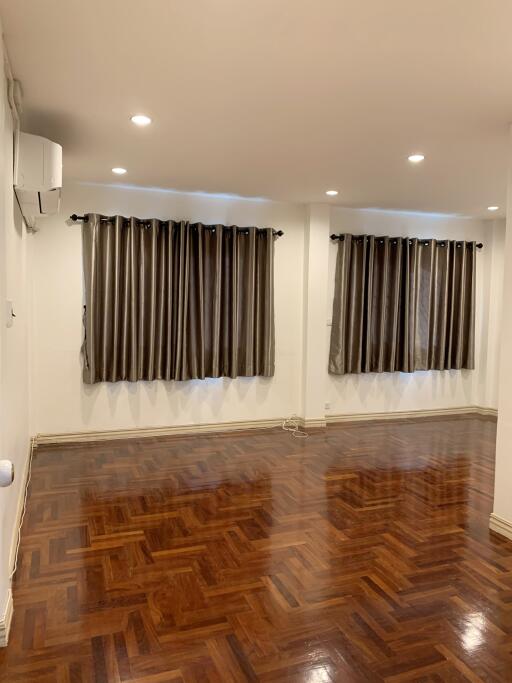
{"x": 421, "y": 390}
{"x": 18, "y": 218}
{"x": 182, "y": 398}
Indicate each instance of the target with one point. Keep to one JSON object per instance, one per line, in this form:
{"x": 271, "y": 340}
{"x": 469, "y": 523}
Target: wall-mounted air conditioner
{"x": 37, "y": 176}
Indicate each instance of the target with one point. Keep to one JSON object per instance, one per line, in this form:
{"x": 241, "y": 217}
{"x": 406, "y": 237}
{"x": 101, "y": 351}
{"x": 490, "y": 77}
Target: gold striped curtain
{"x": 176, "y": 301}
{"x": 403, "y": 304}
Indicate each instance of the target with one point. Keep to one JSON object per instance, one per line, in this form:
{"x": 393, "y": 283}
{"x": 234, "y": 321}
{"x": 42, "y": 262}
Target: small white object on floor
{"x": 6, "y": 472}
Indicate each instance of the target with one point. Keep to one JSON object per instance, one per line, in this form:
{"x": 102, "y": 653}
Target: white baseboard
{"x": 21, "y": 501}
{"x": 481, "y": 410}
{"x": 500, "y": 526}
{"x": 142, "y": 432}
{"x": 411, "y": 414}
{"x": 5, "y": 621}
{"x": 311, "y": 423}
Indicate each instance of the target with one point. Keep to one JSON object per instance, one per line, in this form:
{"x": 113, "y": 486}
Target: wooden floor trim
{"x": 141, "y": 432}
{"x": 500, "y": 526}
{"x": 5, "y": 619}
{"x": 412, "y": 414}
{"x": 207, "y": 428}
{"x": 21, "y": 501}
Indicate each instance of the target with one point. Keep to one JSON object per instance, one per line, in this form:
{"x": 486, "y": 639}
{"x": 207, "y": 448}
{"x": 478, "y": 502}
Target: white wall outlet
{"x": 327, "y": 405}
{"x": 9, "y": 313}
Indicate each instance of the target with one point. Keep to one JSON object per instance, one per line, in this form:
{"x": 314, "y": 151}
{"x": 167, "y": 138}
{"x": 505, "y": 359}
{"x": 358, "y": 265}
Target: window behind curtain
{"x": 403, "y": 304}
{"x": 175, "y": 301}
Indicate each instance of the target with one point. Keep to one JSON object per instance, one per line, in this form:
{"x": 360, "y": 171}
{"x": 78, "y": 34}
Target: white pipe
{"x": 14, "y": 99}
{"x": 13, "y": 90}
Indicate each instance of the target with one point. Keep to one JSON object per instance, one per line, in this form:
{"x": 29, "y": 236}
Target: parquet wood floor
{"x": 360, "y": 554}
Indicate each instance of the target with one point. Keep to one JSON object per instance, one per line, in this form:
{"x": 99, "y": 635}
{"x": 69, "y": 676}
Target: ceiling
{"x": 275, "y": 98}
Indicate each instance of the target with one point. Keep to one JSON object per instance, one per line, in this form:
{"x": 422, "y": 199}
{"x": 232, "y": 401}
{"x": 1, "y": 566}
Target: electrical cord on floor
{"x": 27, "y": 483}
{"x": 292, "y": 425}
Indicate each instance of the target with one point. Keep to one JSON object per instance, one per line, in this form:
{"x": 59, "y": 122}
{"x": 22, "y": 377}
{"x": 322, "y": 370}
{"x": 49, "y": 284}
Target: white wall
{"x": 15, "y": 401}
{"x": 502, "y": 509}
{"x": 491, "y": 343}
{"x": 62, "y": 403}
{"x": 374, "y": 393}
{"x": 316, "y": 253}
{"x": 303, "y": 288}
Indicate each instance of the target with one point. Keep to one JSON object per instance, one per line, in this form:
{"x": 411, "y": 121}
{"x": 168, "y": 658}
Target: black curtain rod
{"x": 442, "y": 243}
{"x": 74, "y": 217}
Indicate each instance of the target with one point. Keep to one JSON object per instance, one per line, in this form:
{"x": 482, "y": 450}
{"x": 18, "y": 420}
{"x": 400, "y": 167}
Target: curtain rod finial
{"x": 76, "y": 218}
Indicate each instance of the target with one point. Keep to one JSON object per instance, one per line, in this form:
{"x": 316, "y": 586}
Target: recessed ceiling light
{"x": 118, "y": 170}
{"x": 492, "y": 208}
{"x": 332, "y": 193}
{"x": 140, "y": 120}
{"x": 416, "y": 158}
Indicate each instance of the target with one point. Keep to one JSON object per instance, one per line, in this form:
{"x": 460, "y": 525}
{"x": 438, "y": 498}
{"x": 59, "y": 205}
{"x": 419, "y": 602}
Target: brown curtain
{"x": 175, "y": 301}
{"x": 403, "y": 304}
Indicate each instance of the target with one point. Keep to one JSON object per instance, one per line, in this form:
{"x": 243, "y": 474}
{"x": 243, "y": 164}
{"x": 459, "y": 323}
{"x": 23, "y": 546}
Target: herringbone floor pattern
{"x": 360, "y": 554}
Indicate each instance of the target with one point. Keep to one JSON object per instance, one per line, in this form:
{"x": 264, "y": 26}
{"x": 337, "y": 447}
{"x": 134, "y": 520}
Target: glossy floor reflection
{"x": 360, "y": 554}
